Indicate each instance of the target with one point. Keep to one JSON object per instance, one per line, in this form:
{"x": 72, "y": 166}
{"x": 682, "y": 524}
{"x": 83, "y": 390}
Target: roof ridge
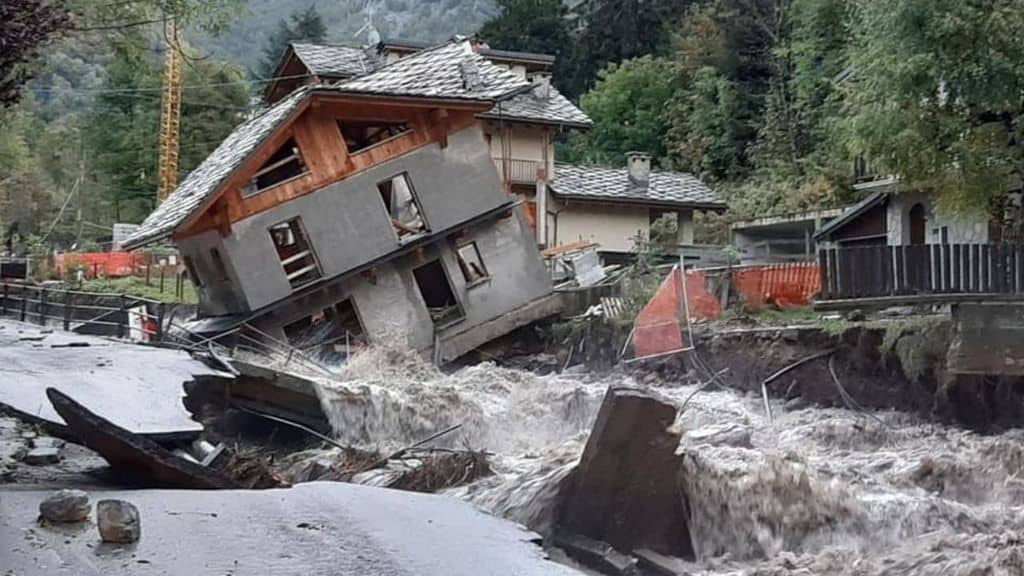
{"x": 625, "y": 168}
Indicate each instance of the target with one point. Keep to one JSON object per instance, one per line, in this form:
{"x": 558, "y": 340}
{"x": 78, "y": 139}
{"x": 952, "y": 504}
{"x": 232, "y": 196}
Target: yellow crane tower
{"x": 170, "y": 115}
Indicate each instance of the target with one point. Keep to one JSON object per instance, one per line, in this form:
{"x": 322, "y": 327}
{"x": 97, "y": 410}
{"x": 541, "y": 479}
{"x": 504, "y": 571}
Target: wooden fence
{"x": 877, "y": 271}
{"x": 103, "y": 312}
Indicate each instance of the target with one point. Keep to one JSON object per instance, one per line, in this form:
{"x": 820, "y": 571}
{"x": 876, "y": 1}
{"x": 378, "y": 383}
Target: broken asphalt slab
{"x": 321, "y": 528}
{"x": 131, "y": 455}
{"x": 139, "y": 388}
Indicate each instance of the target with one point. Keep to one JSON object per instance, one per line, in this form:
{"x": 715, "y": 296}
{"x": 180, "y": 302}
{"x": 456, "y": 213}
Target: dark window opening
{"x": 437, "y": 293}
{"x": 362, "y": 135}
{"x": 218, "y": 265}
{"x": 918, "y": 223}
{"x": 190, "y": 268}
{"x": 284, "y": 165}
{"x": 336, "y": 328}
{"x": 296, "y": 255}
{"x": 470, "y": 262}
{"x": 402, "y": 206}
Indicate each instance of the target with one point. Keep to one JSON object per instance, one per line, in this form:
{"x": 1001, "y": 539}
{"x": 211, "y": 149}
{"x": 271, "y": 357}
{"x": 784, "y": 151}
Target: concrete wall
{"x": 961, "y": 230}
{"x": 389, "y": 303}
{"x": 217, "y": 296}
{"x": 613, "y": 227}
{"x": 347, "y": 224}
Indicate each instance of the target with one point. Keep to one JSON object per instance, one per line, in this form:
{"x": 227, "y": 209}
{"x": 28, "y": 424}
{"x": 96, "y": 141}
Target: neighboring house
{"x": 579, "y": 202}
{"x": 895, "y": 246}
{"x": 364, "y": 209}
{"x": 898, "y": 218}
{"x": 613, "y": 206}
{"x": 782, "y": 238}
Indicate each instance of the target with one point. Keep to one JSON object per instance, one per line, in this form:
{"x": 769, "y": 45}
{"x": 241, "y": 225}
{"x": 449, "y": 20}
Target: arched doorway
{"x": 918, "y": 222}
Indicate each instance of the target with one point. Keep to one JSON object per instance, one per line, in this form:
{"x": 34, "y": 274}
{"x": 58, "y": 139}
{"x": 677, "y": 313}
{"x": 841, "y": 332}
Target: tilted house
{"x": 364, "y": 209}
{"x": 564, "y": 203}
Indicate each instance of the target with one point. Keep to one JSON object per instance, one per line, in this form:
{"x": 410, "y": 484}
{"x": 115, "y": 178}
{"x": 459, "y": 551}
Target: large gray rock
{"x": 118, "y": 521}
{"x": 42, "y": 456}
{"x": 64, "y": 507}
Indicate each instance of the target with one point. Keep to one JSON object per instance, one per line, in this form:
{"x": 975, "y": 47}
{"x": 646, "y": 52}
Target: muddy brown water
{"x": 816, "y": 491}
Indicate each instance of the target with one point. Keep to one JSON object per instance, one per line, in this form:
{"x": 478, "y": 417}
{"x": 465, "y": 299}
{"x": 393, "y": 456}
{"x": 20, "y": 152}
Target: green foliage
{"x": 303, "y": 26}
{"x": 628, "y": 107}
{"x": 529, "y": 25}
{"x": 136, "y": 286}
{"x": 936, "y": 95}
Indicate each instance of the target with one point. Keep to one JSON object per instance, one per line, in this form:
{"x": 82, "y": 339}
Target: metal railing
{"x": 111, "y": 313}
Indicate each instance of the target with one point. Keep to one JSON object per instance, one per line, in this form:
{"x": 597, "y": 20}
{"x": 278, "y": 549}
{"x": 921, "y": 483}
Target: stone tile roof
{"x": 439, "y": 73}
{"x": 334, "y": 61}
{"x": 613, "y": 185}
{"x": 201, "y": 183}
{"x": 436, "y": 73}
{"x": 534, "y": 108}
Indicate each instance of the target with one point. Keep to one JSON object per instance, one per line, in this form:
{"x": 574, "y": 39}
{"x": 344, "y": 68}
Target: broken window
{"x": 361, "y": 135}
{"x": 337, "y": 327}
{"x": 283, "y": 166}
{"x": 437, "y": 293}
{"x": 190, "y": 267}
{"x": 218, "y": 264}
{"x": 470, "y": 263}
{"x": 402, "y": 206}
{"x": 296, "y": 255}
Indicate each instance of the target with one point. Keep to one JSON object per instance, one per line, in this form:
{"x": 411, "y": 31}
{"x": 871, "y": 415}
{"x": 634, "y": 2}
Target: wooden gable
{"x": 316, "y": 131}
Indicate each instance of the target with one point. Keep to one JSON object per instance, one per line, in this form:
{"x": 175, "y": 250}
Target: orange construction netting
{"x": 97, "y": 264}
{"x": 782, "y": 285}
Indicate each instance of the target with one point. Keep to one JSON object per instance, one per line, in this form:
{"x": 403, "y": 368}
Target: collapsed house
{"x": 365, "y": 209}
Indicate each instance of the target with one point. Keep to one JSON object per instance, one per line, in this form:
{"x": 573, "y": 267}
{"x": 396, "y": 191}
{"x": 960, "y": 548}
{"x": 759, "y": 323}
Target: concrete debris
{"x": 659, "y": 564}
{"x": 65, "y": 507}
{"x": 118, "y": 521}
{"x": 625, "y": 489}
{"x": 595, "y": 554}
{"x": 734, "y": 435}
{"x": 42, "y": 456}
{"x": 137, "y": 457}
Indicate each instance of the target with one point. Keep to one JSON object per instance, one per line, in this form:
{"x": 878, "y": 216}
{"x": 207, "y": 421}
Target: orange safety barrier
{"x": 658, "y": 329}
{"x": 782, "y": 285}
{"x": 95, "y": 264}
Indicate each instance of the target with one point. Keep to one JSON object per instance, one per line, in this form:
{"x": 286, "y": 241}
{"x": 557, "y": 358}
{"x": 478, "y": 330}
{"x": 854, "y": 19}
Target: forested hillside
{"x": 432, "y": 20}
{"x": 771, "y": 101}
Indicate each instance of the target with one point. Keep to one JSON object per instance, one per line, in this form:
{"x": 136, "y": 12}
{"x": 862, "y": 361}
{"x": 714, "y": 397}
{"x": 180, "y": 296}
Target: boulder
{"x": 118, "y": 521}
{"x": 65, "y": 506}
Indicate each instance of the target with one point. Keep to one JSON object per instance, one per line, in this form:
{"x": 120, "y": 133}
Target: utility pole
{"x": 170, "y": 115}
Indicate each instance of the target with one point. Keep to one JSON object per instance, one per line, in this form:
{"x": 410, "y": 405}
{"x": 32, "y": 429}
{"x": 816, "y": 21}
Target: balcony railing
{"x": 518, "y": 171}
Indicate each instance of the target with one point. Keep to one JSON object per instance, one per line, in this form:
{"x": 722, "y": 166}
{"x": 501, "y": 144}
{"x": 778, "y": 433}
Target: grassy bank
{"x": 136, "y": 286}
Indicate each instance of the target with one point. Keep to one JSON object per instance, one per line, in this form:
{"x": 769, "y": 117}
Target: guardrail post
{"x": 122, "y": 318}
{"x": 42, "y": 307}
{"x": 161, "y": 310}
{"x": 67, "y": 310}
{"x": 24, "y": 302}
{"x": 3, "y": 306}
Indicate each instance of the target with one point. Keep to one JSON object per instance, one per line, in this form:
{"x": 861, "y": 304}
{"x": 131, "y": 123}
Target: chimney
{"x": 470, "y": 74}
{"x": 542, "y": 85}
{"x": 639, "y": 164}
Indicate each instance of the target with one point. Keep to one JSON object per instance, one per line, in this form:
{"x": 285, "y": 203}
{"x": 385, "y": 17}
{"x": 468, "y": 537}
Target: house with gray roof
{"x": 364, "y": 209}
{"x": 614, "y": 206}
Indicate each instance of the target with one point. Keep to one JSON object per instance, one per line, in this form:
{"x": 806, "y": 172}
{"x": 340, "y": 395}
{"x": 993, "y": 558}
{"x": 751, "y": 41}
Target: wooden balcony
{"x": 517, "y": 171}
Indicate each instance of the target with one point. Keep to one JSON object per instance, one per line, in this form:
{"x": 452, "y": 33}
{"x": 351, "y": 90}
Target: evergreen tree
{"x": 302, "y": 26}
{"x": 529, "y": 25}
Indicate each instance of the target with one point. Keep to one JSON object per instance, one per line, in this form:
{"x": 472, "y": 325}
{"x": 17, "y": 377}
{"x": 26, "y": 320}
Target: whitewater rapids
{"x": 817, "y": 491}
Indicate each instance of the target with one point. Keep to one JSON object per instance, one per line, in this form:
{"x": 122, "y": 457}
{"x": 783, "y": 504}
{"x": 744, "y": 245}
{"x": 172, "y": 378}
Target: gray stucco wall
{"x": 216, "y": 296}
{"x": 347, "y": 224}
{"x": 389, "y": 303}
{"x": 968, "y": 229}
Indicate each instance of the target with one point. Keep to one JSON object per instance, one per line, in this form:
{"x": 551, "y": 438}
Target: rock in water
{"x": 42, "y": 456}
{"x": 65, "y": 506}
{"x": 118, "y": 521}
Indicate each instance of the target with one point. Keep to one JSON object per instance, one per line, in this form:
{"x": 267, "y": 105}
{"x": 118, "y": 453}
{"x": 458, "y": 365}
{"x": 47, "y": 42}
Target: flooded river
{"x": 816, "y": 491}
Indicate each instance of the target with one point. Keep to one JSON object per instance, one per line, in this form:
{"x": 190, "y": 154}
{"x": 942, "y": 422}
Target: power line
{"x": 185, "y": 87}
